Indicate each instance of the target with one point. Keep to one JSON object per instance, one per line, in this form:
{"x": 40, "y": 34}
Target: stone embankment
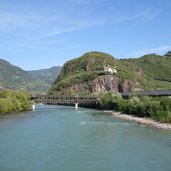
{"x": 146, "y": 121}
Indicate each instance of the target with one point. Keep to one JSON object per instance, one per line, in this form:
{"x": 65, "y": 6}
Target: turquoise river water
{"x": 59, "y": 138}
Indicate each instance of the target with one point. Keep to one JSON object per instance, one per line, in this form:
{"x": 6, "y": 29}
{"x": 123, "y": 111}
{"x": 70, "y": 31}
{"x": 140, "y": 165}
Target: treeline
{"x": 13, "y": 101}
{"x": 158, "y": 108}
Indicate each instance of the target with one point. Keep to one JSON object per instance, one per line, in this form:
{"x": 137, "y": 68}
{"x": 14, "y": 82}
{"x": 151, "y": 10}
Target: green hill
{"x": 96, "y": 72}
{"x": 156, "y": 69}
{"x": 13, "y": 77}
{"x": 168, "y": 55}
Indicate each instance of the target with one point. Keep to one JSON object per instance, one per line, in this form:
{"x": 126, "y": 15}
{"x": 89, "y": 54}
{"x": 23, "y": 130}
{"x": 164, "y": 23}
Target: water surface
{"x": 58, "y": 138}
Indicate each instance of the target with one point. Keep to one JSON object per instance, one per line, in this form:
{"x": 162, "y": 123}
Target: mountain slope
{"x": 168, "y": 55}
{"x": 46, "y": 75}
{"x": 93, "y": 73}
{"x": 156, "y": 69}
{"x": 13, "y": 77}
{"x": 96, "y": 72}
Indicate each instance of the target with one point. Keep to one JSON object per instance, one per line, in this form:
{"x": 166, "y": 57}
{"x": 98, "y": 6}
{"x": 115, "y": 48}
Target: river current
{"x": 60, "y": 138}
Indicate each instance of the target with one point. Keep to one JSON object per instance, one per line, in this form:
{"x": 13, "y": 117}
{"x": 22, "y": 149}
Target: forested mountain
{"x": 155, "y": 70}
{"x": 46, "y": 75}
{"x": 92, "y": 73}
{"x": 13, "y": 77}
{"x": 96, "y": 72}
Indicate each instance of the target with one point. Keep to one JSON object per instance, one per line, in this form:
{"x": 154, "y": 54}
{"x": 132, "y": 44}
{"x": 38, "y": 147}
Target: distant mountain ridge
{"x": 46, "y": 75}
{"x": 13, "y": 77}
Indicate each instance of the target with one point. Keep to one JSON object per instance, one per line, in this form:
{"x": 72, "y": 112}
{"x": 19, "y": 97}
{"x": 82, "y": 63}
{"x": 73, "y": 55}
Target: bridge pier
{"x": 33, "y": 107}
{"x": 76, "y": 106}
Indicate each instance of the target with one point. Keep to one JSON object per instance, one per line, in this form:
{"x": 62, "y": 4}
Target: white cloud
{"x": 154, "y": 14}
{"x": 22, "y": 45}
{"x": 10, "y": 21}
{"x": 158, "y": 50}
{"x": 73, "y": 25}
{"x": 44, "y": 24}
{"x": 31, "y": 27}
{"x": 148, "y": 14}
{"x": 73, "y": 18}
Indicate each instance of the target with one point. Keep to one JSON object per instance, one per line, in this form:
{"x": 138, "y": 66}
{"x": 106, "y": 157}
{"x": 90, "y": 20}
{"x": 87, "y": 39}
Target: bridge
{"x": 157, "y": 93}
{"x": 52, "y": 99}
{"x": 75, "y": 100}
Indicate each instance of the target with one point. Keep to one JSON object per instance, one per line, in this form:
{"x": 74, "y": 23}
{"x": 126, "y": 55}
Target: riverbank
{"x": 145, "y": 121}
{"x": 13, "y": 101}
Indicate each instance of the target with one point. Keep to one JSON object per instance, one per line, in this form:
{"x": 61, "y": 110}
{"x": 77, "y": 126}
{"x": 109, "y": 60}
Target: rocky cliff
{"x": 102, "y": 84}
{"x": 94, "y": 73}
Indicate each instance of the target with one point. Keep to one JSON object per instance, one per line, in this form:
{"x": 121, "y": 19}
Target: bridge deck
{"x": 149, "y": 93}
{"x": 53, "y": 99}
{"x": 64, "y": 99}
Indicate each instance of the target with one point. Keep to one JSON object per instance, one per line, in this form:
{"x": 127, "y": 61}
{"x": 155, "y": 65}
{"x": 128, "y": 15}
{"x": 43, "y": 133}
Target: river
{"x": 59, "y": 138}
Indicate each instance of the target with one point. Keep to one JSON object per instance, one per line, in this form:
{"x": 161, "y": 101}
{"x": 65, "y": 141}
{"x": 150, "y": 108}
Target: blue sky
{"x": 38, "y": 34}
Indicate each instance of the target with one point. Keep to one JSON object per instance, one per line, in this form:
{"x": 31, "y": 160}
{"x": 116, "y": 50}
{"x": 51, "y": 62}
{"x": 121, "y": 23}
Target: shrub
{"x": 13, "y": 101}
{"x": 135, "y": 106}
{"x": 107, "y": 101}
{"x": 143, "y": 106}
{"x": 123, "y": 106}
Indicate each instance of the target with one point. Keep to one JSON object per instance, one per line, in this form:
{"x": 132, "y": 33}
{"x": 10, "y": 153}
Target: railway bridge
{"x": 71, "y": 100}
{"x": 68, "y": 100}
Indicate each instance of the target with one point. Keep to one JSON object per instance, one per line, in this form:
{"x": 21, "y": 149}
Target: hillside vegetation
{"x": 158, "y": 109}
{"x": 15, "y": 78}
{"x": 47, "y": 75}
{"x": 156, "y": 69}
{"x": 81, "y": 75}
{"x": 13, "y": 101}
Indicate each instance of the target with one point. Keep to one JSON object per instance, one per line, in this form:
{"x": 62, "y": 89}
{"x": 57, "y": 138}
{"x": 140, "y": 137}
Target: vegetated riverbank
{"x": 13, "y": 101}
{"x": 156, "y": 108}
{"x": 145, "y": 121}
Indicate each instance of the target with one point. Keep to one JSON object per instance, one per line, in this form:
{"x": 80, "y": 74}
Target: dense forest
{"x": 13, "y": 101}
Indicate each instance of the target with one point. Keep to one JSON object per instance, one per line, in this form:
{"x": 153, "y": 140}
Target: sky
{"x": 36, "y": 34}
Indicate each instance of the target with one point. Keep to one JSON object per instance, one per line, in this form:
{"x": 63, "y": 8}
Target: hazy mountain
{"x": 13, "y": 77}
{"x": 47, "y": 75}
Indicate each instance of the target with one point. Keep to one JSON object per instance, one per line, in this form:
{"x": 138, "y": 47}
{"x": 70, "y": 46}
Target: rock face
{"x": 109, "y": 83}
{"x": 103, "y": 84}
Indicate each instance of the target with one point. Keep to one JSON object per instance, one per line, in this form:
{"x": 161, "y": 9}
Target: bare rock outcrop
{"x": 103, "y": 84}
